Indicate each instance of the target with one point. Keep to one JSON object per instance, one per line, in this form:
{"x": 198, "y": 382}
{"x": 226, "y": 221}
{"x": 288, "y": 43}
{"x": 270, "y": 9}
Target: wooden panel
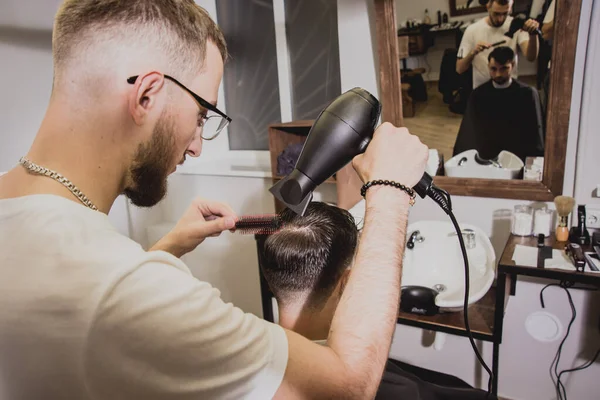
{"x": 389, "y": 63}
{"x": 497, "y": 188}
{"x": 566, "y": 26}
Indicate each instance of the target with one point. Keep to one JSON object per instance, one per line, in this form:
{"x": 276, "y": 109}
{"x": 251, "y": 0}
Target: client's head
{"x": 501, "y": 63}
{"x": 306, "y": 262}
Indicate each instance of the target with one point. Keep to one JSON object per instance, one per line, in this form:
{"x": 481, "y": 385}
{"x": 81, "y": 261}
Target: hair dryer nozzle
{"x": 290, "y": 191}
{"x": 342, "y": 131}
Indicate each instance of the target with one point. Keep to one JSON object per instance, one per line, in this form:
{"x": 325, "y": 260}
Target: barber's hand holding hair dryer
{"x": 342, "y": 133}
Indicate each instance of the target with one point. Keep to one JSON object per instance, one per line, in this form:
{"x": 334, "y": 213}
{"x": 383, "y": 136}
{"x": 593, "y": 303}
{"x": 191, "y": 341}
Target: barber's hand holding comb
{"x": 202, "y": 219}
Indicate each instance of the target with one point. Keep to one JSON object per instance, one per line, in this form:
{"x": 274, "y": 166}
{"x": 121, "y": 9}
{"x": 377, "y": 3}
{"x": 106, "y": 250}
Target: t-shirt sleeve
{"x": 549, "y": 17}
{"x": 160, "y": 333}
{"x": 467, "y": 43}
{"x": 522, "y": 37}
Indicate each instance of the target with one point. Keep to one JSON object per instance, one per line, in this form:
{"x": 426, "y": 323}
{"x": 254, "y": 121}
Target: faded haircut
{"x": 179, "y": 29}
{"x": 307, "y": 257}
{"x": 502, "y": 55}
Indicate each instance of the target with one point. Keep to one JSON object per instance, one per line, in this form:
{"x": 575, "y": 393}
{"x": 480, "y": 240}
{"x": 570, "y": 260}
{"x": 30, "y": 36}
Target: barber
{"x": 85, "y": 312}
{"x": 479, "y": 37}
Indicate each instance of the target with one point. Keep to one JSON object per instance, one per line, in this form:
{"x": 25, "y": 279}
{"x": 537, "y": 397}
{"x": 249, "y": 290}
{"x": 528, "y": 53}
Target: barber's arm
{"x": 352, "y": 364}
{"x": 469, "y": 48}
{"x": 548, "y": 30}
{"x": 529, "y": 47}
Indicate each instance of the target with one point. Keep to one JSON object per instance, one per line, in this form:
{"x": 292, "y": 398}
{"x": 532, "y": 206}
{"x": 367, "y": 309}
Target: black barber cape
{"x": 404, "y": 381}
{"x": 502, "y": 119}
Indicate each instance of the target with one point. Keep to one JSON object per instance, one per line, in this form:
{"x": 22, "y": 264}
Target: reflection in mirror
{"x": 464, "y": 7}
{"x": 475, "y": 89}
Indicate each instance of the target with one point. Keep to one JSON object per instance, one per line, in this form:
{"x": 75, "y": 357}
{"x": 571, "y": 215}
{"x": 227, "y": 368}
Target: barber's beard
{"x": 151, "y": 166}
{"x": 495, "y": 23}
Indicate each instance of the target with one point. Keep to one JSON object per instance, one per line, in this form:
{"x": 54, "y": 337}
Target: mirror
{"x": 483, "y": 93}
{"x": 465, "y": 7}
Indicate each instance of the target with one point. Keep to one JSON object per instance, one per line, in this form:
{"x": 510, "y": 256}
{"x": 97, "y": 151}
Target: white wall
{"x": 26, "y": 68}
{"x": 588, "y": 160}
{"x": 229, "y": 262}
{"x": 17, "y": 13}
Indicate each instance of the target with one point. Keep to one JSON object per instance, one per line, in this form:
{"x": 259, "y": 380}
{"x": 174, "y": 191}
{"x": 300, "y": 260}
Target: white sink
{"x": 437, "y": 263}
{"x": 463, "y": 165}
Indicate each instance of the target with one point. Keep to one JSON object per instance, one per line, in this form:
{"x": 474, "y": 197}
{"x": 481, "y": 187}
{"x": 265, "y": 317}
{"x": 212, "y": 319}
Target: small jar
{"x": 522, "y": 221}
{"x": 542, "y": 222}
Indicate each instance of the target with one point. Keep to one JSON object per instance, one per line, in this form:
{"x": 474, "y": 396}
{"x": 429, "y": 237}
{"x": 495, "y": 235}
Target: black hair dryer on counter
{"x": 342, "y": 131}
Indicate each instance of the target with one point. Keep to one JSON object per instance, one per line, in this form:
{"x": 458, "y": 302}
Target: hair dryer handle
{"x": 423, "y": 187}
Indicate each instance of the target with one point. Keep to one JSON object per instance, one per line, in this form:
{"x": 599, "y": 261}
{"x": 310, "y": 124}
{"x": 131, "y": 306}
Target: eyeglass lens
{"x": 213, "y": 125}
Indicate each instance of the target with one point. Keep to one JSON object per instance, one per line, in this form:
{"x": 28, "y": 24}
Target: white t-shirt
{"x": 86, "y": 313}
{"x": 481, "y": 31}
{"x": 549, "y": 17}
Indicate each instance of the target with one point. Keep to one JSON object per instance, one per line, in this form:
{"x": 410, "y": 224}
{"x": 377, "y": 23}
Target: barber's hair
{"x": 179, "y": 29}
{"x": 307, "y": 257}
{"x": 502, "y": 55}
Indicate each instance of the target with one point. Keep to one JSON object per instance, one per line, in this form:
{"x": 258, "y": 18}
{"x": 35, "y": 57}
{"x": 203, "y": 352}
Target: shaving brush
{"x": 564, "y": 206}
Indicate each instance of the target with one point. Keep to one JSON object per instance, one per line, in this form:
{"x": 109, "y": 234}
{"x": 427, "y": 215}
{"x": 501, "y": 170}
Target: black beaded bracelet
{"x": 411, "y": 193}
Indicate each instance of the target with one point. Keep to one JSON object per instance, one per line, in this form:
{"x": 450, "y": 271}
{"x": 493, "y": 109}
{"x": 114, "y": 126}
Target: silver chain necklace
{"x": 37, "y": 169}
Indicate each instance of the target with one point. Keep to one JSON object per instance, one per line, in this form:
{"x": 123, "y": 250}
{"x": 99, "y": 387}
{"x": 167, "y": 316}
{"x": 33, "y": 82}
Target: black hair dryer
{"x": 516, "y": 24}
{"x": 342, "y": 131}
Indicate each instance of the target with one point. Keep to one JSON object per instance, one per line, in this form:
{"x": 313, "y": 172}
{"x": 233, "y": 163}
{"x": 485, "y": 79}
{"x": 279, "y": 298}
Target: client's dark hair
{"x": 502, "y": 55}
{"x": 310, "y": 253}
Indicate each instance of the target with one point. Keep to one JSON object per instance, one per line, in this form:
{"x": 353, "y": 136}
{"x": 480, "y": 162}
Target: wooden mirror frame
{"x": 455, "y": 13}
{"x": 566, "y": 29}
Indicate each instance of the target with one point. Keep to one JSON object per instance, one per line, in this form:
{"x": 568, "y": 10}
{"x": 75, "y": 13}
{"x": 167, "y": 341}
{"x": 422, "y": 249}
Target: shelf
{"x": 305, "y": 123}
{"x": 508, "y": 266}
{"x": 481, "y": 319}
{"x": 328, "y": 180}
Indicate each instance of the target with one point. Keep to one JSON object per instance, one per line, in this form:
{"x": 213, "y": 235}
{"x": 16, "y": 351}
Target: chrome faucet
{"x": 414, "y": 237}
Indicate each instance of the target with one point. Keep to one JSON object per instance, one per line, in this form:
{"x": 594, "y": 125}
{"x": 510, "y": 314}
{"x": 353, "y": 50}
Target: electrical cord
{"x": 442, "y": 198}
{"x": 583, "y": 366}
{"x": 561, "y": 392}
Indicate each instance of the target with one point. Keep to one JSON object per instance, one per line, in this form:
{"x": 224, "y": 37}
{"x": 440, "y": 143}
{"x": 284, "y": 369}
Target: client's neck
{"x": 306, "y": 321}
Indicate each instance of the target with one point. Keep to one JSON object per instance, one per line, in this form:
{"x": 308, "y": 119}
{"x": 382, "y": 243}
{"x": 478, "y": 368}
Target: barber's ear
{"x": 143, "y": 96}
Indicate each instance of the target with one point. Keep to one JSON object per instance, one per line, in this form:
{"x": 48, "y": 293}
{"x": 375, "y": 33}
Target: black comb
{"x": 265, "y": 224}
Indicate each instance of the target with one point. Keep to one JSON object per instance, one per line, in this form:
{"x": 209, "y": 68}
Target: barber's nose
{"x": 195, "y": 148}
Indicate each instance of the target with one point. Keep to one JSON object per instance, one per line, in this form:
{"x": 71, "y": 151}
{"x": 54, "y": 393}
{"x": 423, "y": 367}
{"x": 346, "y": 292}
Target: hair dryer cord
{"x": 442, "y": 198}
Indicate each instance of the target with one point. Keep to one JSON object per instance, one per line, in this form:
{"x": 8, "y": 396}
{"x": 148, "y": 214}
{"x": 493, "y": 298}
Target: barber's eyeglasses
{"x": 212, "y": 122}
